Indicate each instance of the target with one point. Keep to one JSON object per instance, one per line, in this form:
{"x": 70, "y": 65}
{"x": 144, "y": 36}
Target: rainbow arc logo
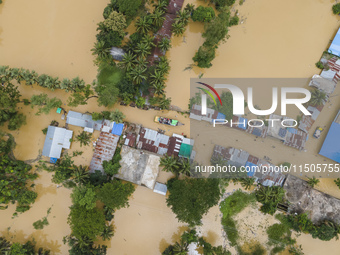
{"x": 209, "y": 93}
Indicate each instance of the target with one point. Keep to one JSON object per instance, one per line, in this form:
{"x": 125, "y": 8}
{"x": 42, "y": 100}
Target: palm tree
{"x": 189, "y": 8}
{"x": 247, "y": 183}
{"x": 128, "y": 60}
{"x": 313, "y": 181}
{"x": 138, "y": 74}
{"x": 159, "y": 88}
{"x": 100, "y": 50}
{"x": 117, "y": 116}
{"x": 337, "y": 182}
{"x": 142, "y": 62}
{"x": 162, "y": 4}
{"x": 318, "y": 97}
{"x": 158, "y": 17}
{"x": 180, "y": 248}
{"x": 183, "y": 16}
{"x": 143, "y": 25}
{"x": 157, "y": 77}
{"x": 148, "y": 40}
{"x": 80, "y": 174}
{"x": 143, "y": 49}
{"x": 169, "y": 164}
{"x": 165, "y": 103}
{"x": 178, "y": 28}
{"x": 107, "y": 233}
{"x": 84, "y": 138}
{"x": 5, "y": 246}
{"x": 164, "y": 44}
{"x": 184, "y": 167}
{"x": 263, "y": 194}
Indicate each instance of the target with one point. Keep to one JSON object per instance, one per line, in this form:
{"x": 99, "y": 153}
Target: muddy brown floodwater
{"x": 275, "y": 39}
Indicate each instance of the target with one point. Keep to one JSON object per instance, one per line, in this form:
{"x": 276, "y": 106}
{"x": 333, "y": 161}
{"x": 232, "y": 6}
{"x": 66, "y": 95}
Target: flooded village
{"x": 56, "y": 38}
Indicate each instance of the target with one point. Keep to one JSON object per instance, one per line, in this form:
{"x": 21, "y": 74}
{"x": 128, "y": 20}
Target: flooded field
{"x": 276, "y": 39}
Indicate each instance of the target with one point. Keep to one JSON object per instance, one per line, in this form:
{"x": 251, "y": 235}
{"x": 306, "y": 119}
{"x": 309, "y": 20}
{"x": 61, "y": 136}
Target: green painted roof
{"x": 185, "y": 150}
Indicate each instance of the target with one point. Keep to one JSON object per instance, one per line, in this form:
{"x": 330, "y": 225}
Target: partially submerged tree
{"x": 84, "y": 138}
{"x": 44, "y": 103}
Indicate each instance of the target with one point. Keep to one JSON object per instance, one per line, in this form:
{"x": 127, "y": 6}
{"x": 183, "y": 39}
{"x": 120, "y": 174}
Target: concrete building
{"x": 56, "y": 139}
{"x": 139, "y": 167}
{"x": 304, "y": 199}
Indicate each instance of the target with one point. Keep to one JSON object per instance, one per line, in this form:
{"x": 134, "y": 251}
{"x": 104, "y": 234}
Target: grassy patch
{"x": 231, "y": 206}
{"x": 109, "y": 74}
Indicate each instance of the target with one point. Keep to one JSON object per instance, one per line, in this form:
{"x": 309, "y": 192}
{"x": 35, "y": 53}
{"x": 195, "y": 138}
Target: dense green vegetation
{"x": 9, "y": 99}
{"x": 188, "y": 237}
{"x": 176, "y": 165}
{"x": 44, "y": 103}
{"x": 336, "y": 9}
{"x": 270, "y": 197}
{"x": 203, "y": 14}
{"x": 40, "y": 224}
{"x": 231, "y": 206}
{"x": 112, "y": 167}
{"x": 14, "y": 178}
{"x": 190, "y": 199}
{"x": 27, "y": 248}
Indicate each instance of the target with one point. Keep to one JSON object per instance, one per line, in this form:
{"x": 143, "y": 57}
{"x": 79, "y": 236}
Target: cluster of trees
{"x": 9, "y": 99}
{"x": 270, "y": 197}
{"x": 133, "y": 76}
{"x": 324, "y": 230}
{"x": 28, "y": 248}
{"x": 116, "y": 116}
{"x": 88, "y": 222}
{"x": 190, "y": 198}
{"x": 176, "y": 165}
{"x": 182, "y": 20}
{"x": 203, "y": 14}
{"x": 215, "y": 30}
{"x": 31, "y": 77}
{"x": 188, "y": 237}
{"x": 14, "y": 177}
{"x": 44, "y": 103}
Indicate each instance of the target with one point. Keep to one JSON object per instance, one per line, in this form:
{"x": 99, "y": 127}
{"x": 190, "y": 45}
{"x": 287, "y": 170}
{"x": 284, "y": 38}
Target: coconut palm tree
{"x": 138, "y": 74}
{"x": 318, "y": 97}
{"x": 165, "y": 103}
{"x": 157, "y": 77}
{"x": 164, "y": 44}
{"x": 148, "y": 40}
{"x": 189, "y": 8}
{"x": 5, "y": 246}
{"x": 178, "y": 28}
{"x": 183, "y": 16}
{"x": 158, "y": 17}
{"x": 263, "y": 194}
{"x": 143, "y": 25}
{"x": 247, "y": 183}
{"x": 159, "y": 88}
{"x": 80, "y": 174}
{"x": 117, "y": 116}
{"x": 313, "y": 181}
{"x": 128, "y": 61}
{"x": 84, "y": 138}
{"x": 101, "y": 50}
{"x": 142, "y": 62}
{"x": 143, "y": 49}
{"x": 180, "y": 248}
{"x": 169, "y": 164}
{"x": 162, "y": 5}
{"x": 184, "y": 167}
{"x": 107, "y": 233}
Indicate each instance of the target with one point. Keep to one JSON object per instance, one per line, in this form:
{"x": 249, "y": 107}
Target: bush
{"x": 336, "y": 9}
{"x": 44, "y": 131}
{"x": 319, "y": 65}
{"x": 229, "y": 227}
{"x": 234, "y": 21}
{"x": 204, "y": 56}
{"x": 203, "y": 14}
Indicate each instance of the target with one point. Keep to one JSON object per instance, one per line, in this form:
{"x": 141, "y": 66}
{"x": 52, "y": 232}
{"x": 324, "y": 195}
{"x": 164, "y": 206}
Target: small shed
{"x": 117, "y": 129}
{"x": 160, "y": 188}
{"x": 335, "y": 46}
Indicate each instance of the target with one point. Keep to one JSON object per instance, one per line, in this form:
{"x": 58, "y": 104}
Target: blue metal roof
{"x": 331, "y": 146}
{"x": 117, "y": 129}
{"x": 252, "y": 168}
{"x": 221, "y": 116}
{"x": 335, "y": 46}
{"x": 242, "y": 121}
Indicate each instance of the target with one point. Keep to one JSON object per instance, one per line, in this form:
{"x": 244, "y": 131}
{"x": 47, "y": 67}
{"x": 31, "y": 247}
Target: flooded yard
{"x": 275, "y": 39}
